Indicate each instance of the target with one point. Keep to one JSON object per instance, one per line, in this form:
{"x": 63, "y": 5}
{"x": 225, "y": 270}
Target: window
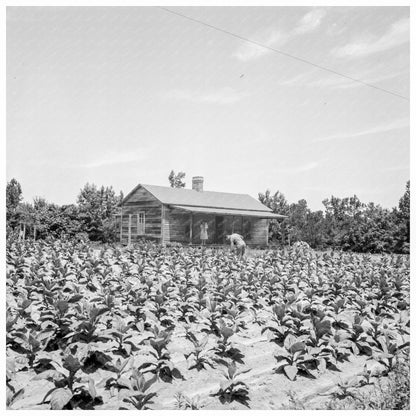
{"x": 140, "y": 223}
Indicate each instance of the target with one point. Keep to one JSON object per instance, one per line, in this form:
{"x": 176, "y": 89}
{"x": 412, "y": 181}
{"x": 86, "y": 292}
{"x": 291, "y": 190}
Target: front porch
{"x": 185, "y": 227}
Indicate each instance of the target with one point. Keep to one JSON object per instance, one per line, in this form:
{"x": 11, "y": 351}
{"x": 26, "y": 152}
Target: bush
{"x": 389, "y": 393}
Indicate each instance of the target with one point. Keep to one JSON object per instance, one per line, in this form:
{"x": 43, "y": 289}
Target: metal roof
{"x": 223, "y": 211}
{"x": 206, "y": 199}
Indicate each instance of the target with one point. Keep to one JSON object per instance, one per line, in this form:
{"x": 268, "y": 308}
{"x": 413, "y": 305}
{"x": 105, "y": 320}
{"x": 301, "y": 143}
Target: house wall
{"x": 255, "y": 231}
{"x": 179, "y": 223}
{"x": 141, "y": 201}
{"x": 259, "y": 234}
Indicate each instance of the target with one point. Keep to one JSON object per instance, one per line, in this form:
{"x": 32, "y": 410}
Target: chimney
{"x": 198, "y": 183}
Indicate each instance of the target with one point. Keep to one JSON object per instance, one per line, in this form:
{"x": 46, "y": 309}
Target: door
{"x": 140, "y": 223}
{"x": 219, "y": 230}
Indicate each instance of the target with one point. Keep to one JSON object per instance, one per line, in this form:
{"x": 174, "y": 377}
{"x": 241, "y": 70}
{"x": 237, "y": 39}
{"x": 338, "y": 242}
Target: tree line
{"x": 345, "y": 223}
{"x": 92, "y": 217}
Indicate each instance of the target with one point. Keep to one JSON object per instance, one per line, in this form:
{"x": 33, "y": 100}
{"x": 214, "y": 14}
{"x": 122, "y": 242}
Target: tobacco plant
{"x": 160, "y": 363}
{"x": 282, "y": 324}
{"x": 71, "y": 390}
{"x": 294, "y": 358}
{"x": 138, "y": 394}
{"x": 224, "y": 348}
{"x": 231, "y": 388}
{"x": 202, "y": 358}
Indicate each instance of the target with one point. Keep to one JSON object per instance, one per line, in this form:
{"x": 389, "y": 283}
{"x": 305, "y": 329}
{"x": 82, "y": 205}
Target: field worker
{"x": 204, "y": 232}
{"x": 237, "y": 243}
{"x": 21, "y": 235}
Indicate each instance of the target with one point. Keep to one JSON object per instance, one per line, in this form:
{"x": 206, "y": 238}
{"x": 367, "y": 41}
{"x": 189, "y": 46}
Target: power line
{"x": 297, "y": 58}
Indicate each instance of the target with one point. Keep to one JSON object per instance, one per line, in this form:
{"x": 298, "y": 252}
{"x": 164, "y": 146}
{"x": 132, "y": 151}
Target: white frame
{"x": 141, "y": 223}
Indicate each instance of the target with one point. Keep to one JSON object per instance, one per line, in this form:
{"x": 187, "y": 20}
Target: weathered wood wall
{"x": 259, "y": 234}
{"x": 178, "y": 224}
{"x": 165, "y": 225}
{"x": 141, "y": 201}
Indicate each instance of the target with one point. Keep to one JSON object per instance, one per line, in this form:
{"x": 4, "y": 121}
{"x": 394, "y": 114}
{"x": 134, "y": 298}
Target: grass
{"x": 388, "y": 393}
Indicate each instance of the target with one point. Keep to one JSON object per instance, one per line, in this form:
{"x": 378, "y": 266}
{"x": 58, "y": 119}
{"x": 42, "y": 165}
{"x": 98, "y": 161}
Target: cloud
{"x": 299, "y": 169}
{"x": 115, "y": 158}
{"x": 336, "y": 29}
{"x": 308, "y": 79}
{"x": 343, "y": 83}
{"x": 224, "y": 96}
{"x": 271, "y": 38}
{"x": 300, "y": 80}
{"x": 397, "y": 34}
{"x": 394, "y": 125}
{"x": 310, "y": 21}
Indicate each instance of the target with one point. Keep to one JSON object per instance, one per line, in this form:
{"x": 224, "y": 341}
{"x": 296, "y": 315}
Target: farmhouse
{"x": 176, "y": 214}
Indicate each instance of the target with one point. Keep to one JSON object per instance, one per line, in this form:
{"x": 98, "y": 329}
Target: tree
{"x": 378, "y": 230}
{"x": 297, "y": 220}
{"x": 97, "y": 207}
{"x": 314, "y": 232}
{"x": 176, "y": 180}
{"x": 404, "y": 203}
{"x": 403, "y": 219}
{"x": 13, "y": 198}
{"x": 278, "y": 229}
{"x": 404, "y": 210}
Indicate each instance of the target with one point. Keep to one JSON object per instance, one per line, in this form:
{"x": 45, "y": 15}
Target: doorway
{"x": 219, "y": 230}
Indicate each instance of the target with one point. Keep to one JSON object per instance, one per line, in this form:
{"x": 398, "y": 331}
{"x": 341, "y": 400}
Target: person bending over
{"x": 237, "y": 244}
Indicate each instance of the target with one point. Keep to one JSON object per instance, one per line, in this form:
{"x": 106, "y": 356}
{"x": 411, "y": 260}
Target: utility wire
{"x": 297, "y": 58}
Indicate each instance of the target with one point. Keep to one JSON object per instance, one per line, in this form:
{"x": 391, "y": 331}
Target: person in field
{"x": 204, "y": 232}
{"x": 21, "y": 235}
{"x": 237, "y": 243}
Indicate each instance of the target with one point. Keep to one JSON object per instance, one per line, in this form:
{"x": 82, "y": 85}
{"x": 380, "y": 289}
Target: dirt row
{"x": 267, "y": 390}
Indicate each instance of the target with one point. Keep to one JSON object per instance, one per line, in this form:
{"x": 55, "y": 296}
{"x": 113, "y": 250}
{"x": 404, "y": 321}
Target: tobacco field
{"x": 151, "y": 327}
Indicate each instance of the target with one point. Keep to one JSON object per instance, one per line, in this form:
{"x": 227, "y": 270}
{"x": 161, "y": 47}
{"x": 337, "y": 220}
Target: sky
{"x": 121, "y": 96}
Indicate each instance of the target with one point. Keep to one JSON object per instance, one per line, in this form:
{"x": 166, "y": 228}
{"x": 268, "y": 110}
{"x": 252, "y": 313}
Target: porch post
{"x": 190, "y": 228}
{"x": 121, "y": 225}
{"x": 129, "y": 238}
{"x": 267, "y": 232}
{"x": 162, "y": 225}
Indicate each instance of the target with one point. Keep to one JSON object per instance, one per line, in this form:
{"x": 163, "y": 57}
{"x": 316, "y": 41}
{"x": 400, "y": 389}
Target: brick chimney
{"x": 198, "y": 183}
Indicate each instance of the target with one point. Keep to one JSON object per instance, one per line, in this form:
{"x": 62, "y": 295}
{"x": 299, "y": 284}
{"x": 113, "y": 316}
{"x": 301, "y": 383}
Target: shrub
{"x": 388, "y": 393}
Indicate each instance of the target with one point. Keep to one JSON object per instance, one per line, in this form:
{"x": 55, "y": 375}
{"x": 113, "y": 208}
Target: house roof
{"x": 209, "y": 200}
{"x": 224, "y": 211}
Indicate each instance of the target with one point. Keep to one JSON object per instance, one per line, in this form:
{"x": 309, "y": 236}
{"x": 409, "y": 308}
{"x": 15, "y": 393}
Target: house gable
{"x": 140, "y": 195}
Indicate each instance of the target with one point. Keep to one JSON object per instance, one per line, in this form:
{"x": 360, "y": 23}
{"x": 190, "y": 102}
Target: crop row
{"x": 99, "y": 324}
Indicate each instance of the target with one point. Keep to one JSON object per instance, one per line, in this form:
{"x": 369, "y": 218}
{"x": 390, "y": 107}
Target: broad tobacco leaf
{"x": 59, "y": 398}
{"x": 290, "y": 371}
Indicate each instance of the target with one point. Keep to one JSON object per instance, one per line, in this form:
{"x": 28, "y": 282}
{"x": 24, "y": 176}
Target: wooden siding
{"x": 259, "y": 232}
{"x": 141, "y": 201}
{"x": 141, "y": 196}
{"x": 165, "y": 225}
{"x": 178, "y": 224}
